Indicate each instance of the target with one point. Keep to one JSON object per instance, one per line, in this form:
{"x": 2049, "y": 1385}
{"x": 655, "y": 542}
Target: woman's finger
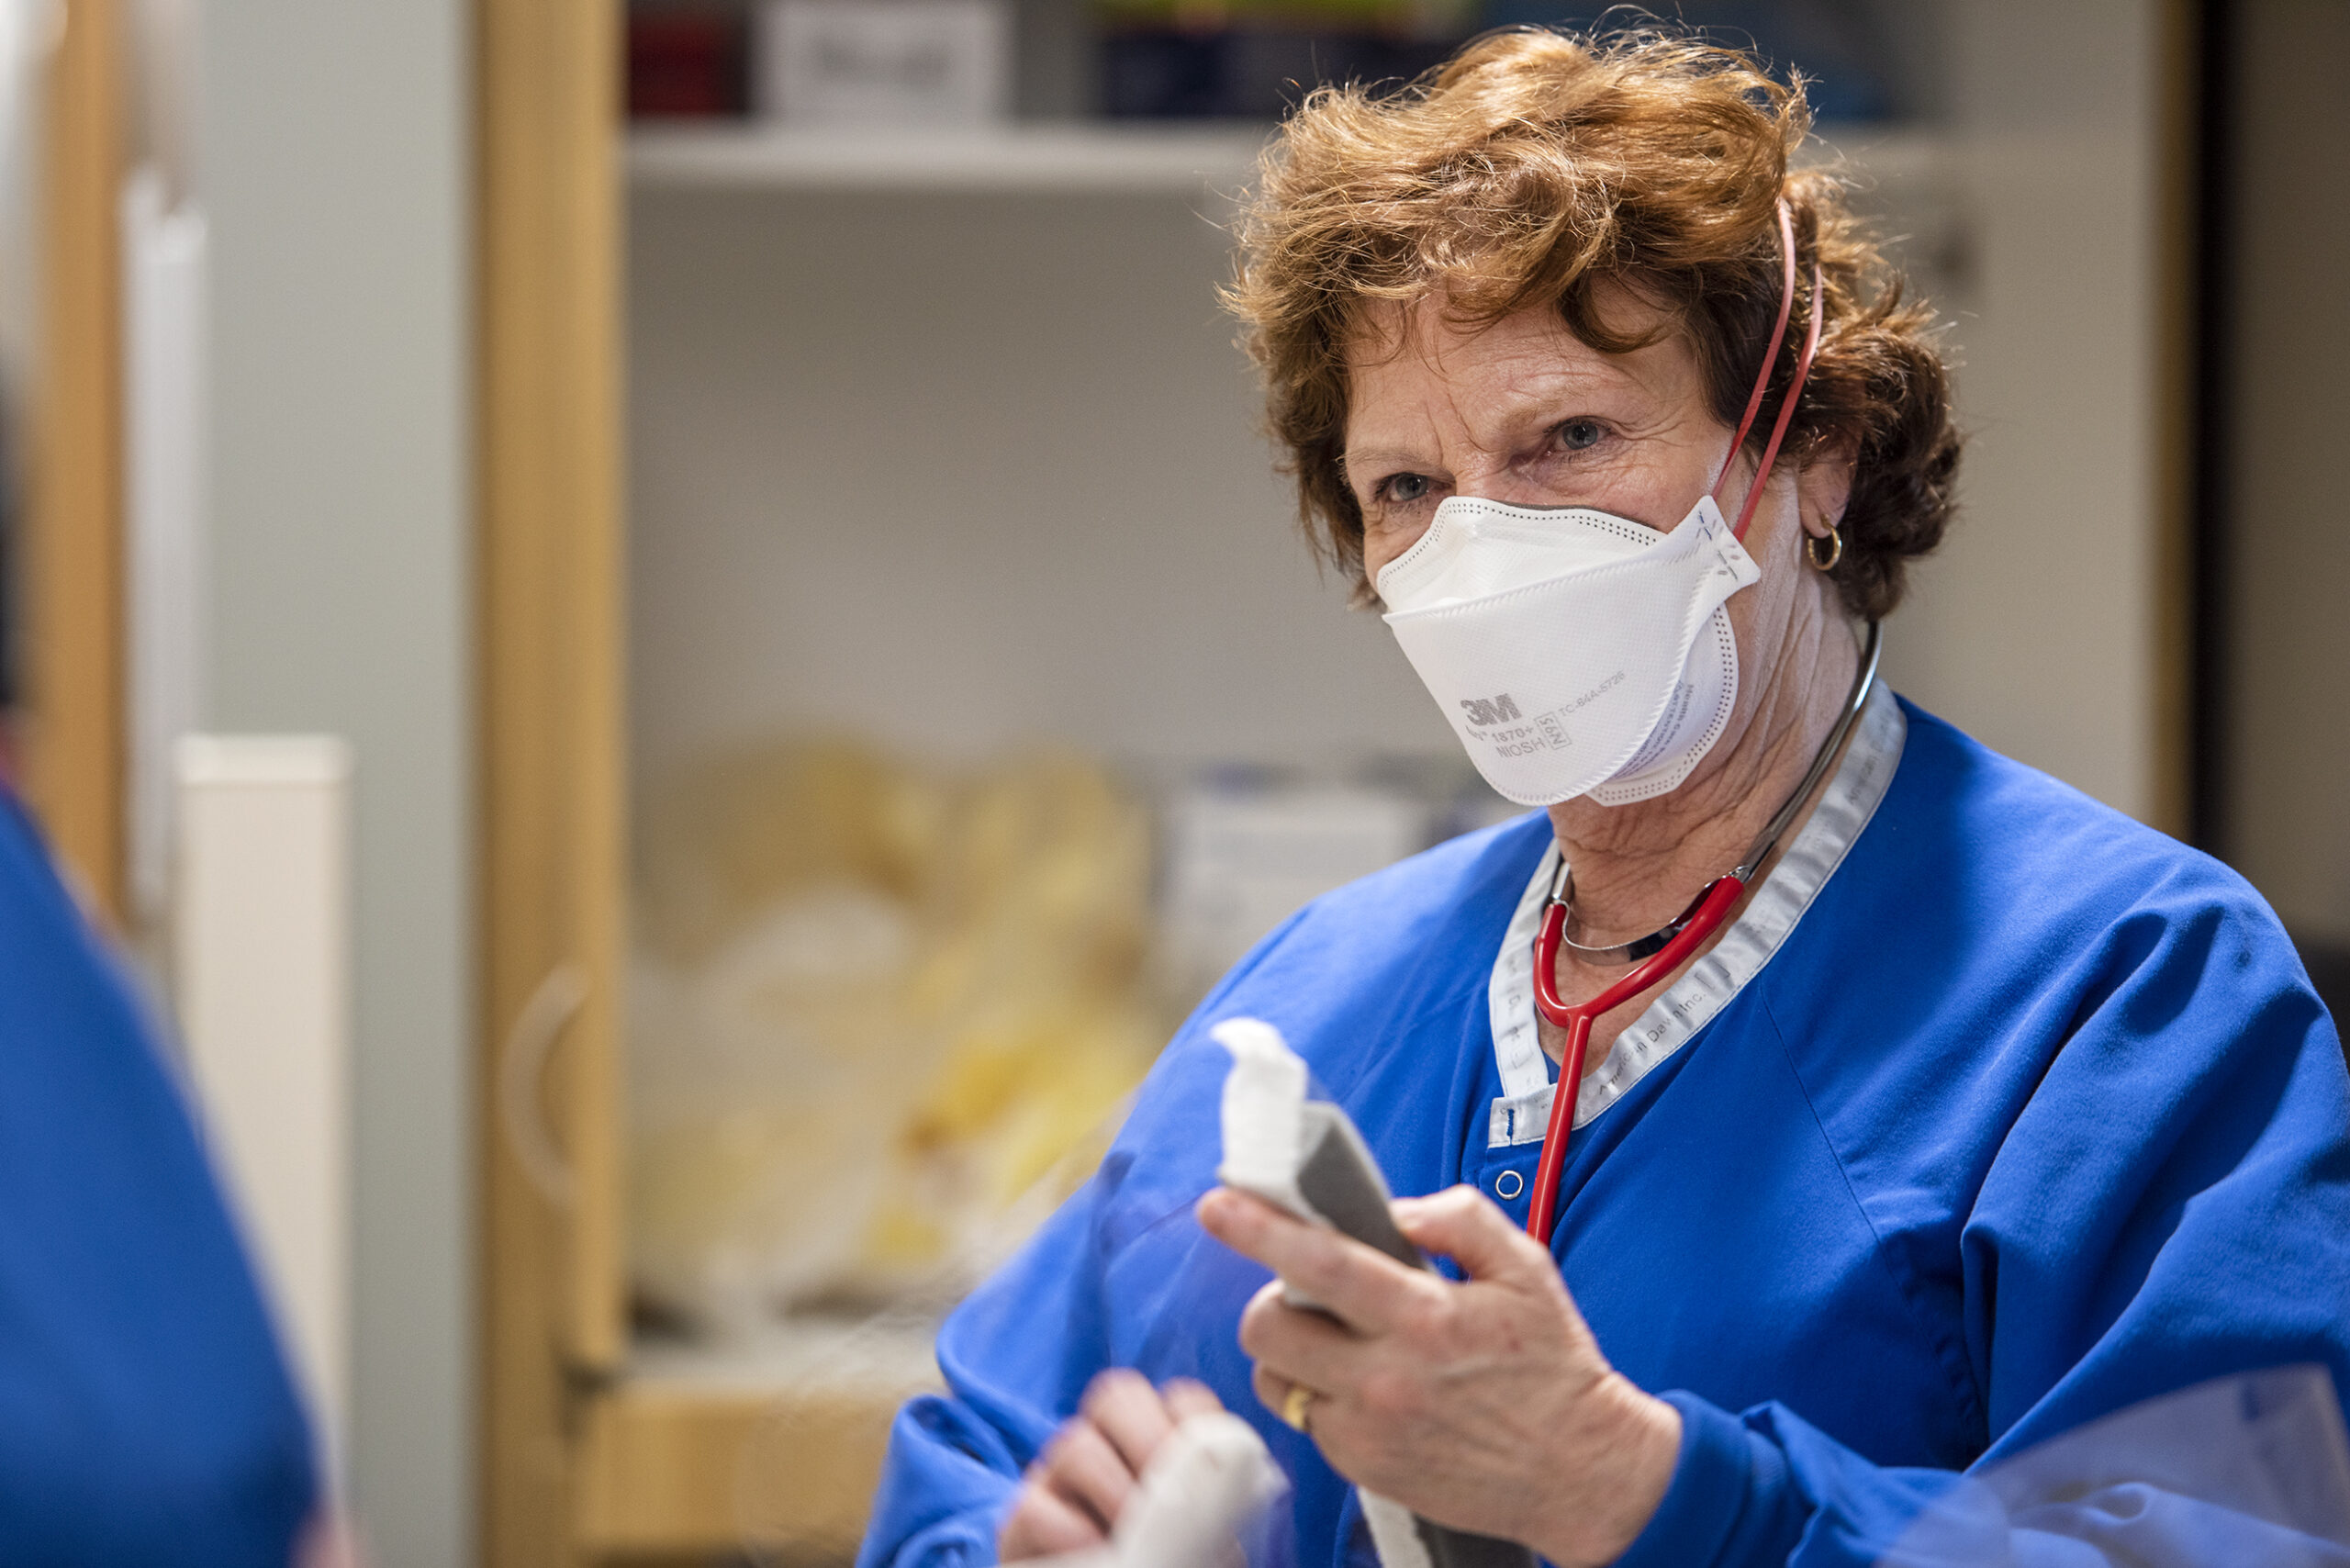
{"x": 1130, "y": 1414}
{"x": 1043, "y": 1525}
{"x": 1081, "y": 1467}
{"x": 1186, "y": 1398}
{"x": 1272, "y": 1392}
{"x": 1462, "y": 1223}
{"x": 1365, "y": 1288}
{"x": 1304, "y": 1347}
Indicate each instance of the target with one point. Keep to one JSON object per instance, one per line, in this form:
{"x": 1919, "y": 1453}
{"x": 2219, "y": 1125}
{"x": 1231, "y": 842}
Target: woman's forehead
{"x": 1404, "y": 358}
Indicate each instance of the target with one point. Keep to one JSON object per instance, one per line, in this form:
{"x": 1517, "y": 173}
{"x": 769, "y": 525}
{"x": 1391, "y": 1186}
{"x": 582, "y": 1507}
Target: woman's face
{"x": 1521, "y": 411}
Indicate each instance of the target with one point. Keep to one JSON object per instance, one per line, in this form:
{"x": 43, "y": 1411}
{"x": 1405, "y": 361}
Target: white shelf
{"x": 1174, "y": 159}
{"x": 1077, "y": 159}
{"x": 892, "y": 1357}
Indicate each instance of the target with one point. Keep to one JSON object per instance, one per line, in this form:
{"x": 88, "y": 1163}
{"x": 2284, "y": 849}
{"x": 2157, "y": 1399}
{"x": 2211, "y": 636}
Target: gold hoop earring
{"x": 1835, "y": 550}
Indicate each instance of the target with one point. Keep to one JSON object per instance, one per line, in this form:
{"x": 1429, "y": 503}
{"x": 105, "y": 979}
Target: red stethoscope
{"x": 1665, "y": 950}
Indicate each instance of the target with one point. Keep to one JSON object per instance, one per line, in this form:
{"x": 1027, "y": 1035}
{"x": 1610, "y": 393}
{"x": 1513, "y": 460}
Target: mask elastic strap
{"x": 1770, "y": 355}
{"x": 1763, "y": 381}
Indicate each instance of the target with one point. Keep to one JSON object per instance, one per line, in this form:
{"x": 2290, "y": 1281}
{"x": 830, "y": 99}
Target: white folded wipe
{"x": 1264, "y": 1115}
{"x": 1277, "y": 1146}
{"x": 1208, "y": 1481}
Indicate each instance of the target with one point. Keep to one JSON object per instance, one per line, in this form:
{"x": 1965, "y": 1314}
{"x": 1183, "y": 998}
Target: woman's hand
{"x": 1484, "y": 1406}
{"x": 1073, "y": 1494}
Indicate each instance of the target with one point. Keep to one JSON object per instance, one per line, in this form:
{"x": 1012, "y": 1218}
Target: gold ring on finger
{"x": 1297, "y": 1406}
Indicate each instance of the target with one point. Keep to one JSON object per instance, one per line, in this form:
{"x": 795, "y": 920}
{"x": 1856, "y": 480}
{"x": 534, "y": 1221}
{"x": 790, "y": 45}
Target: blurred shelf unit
{"x": 1909, "y": 178}
{"x": 765, "y": 1447}
{"x": 1012, "y": 161}
{"x": 759, "y": 349}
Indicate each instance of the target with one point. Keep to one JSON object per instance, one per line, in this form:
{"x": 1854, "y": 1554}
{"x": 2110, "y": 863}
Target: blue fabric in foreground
{"x": 2033, "y": 1116}
{"x": 145, "y": 1414}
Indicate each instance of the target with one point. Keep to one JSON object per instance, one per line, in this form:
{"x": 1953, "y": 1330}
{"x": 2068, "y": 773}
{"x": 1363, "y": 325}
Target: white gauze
{"x": 1264, "y": 1138}
{"x": 1208, "y": 1480}
{"x": 1264, "y": 1114}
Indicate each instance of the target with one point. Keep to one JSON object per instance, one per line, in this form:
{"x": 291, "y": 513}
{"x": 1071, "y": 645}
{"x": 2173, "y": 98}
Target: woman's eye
{"x": 1580, "y": 435}
{"x": 1402, "y": 489}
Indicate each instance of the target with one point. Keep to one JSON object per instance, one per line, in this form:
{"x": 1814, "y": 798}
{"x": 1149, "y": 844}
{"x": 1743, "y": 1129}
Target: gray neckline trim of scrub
{"x": 1689, "y": 1004}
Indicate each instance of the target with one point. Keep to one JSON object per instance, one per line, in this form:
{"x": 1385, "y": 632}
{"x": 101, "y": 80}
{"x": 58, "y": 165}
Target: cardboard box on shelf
{"x": 874, "y": 64}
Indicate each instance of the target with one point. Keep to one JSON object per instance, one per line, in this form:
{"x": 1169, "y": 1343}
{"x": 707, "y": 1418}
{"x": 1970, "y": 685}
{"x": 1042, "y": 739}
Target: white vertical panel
{"x": 260, "y": 967}
{"x": 163, "y": 351}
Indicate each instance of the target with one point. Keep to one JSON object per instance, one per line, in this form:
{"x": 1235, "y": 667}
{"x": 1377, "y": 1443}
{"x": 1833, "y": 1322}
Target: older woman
{"x": 1920, "y": 1108}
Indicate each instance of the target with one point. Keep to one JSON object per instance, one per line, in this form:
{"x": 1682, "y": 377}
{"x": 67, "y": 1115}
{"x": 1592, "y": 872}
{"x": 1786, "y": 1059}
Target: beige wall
{"x": 2035, "y": 626}
{"x": 334, "y": 172}
{"x": 961, "y": 469}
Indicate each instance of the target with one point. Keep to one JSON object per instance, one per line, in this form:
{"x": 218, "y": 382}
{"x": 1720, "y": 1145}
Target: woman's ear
{"x": 1824, "y": 487}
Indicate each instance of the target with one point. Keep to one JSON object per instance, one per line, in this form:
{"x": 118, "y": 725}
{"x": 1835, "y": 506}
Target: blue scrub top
{"x": 145, "y": 1414}
{"x": 2028, "y": 1115}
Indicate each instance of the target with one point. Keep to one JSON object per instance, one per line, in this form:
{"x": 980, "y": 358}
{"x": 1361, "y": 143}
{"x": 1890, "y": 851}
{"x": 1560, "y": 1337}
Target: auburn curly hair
{"x": 1535, "y": 168}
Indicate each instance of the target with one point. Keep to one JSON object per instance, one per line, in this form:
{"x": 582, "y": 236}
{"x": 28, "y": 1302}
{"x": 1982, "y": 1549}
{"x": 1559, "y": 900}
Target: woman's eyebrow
{"x": 1351, "y": 460}
{"x": 1537, "y": 400}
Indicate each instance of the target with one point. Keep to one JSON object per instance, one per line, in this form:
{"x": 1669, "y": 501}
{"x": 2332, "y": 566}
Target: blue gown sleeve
{"x": 2171, "y": 1204}
{"x": 146, "y": 1415}
{"x": 1018, "y": 1353}
{"x": 955, "y": 1462}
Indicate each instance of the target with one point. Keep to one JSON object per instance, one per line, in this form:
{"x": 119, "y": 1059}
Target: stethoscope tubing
{"x": 1721, "y": 895}
{"x": 1712, "y": 907}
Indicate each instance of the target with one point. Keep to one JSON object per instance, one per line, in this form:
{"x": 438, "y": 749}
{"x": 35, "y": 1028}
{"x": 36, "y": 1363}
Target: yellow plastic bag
{"x": 874, "y": 1003}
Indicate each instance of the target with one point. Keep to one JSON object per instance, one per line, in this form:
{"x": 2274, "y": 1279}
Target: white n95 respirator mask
{"x": 1575, "y": 653}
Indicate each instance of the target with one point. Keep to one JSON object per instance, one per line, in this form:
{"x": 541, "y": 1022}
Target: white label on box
{"x": 1239, "y": 864}
{"x": 885, "y": 62}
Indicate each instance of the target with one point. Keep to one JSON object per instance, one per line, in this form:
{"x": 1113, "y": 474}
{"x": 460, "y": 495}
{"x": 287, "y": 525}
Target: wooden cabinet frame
{"x": 579, "y": 1463}
{"x": 550, "y": 621}
{"x": 72, "y": 593}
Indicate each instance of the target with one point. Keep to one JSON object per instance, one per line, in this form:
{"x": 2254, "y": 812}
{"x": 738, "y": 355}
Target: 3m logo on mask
{"x": 1501, "y": 725}
{"x": 1484, "y": 711}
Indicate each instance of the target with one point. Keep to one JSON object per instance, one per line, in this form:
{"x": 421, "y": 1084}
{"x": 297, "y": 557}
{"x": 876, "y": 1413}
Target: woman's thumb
{"x": 1461, "y": 1224}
